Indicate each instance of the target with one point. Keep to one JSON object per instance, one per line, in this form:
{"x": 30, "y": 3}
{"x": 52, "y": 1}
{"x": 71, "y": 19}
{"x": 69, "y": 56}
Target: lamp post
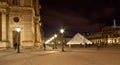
{"x": 62, "y": 31}
{"x": 18, "y": 39}
{"x": 55, "y": 45}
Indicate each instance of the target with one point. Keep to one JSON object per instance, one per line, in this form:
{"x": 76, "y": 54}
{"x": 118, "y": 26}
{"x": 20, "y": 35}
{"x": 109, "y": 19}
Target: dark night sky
{"x": 78, "y": 15}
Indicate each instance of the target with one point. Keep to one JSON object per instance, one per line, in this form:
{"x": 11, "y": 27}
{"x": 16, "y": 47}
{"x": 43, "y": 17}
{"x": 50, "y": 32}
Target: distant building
{"x": 95, "y": 38}
{"x": 23, "y": 14}
{"x": 108, "y": 35}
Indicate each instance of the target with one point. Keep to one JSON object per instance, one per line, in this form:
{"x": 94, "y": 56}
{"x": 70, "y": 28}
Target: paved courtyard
{"x": 72, "y": 56}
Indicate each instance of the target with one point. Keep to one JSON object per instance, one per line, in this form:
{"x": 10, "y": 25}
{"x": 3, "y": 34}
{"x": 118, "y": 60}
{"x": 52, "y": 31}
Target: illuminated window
{"x": 0, "y": 26}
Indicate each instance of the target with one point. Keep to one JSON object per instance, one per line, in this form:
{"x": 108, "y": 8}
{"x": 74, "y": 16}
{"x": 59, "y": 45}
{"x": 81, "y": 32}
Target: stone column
{"x": 4, "y": 33}
{"x": 37, "y": 32}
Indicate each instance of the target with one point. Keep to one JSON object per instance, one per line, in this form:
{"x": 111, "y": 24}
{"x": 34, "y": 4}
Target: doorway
{"x": 15, "y": 36}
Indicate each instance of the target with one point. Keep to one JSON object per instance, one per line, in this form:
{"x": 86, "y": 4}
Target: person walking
{"x": 15, "y": 46}
{"x": 44, "y": 46}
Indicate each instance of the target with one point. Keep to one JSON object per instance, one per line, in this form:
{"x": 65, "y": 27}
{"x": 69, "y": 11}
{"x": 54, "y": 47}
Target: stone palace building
{"x": 23, "y": 14}
{"x": 107, "y": 35}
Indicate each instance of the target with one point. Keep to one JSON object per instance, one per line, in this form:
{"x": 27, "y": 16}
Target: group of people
{"x": 44, "y": 46}
{"x": 54, "y": 46}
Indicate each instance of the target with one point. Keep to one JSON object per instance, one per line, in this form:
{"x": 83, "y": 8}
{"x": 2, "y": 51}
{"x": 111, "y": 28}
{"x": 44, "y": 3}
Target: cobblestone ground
{"x": 81, "y": 56}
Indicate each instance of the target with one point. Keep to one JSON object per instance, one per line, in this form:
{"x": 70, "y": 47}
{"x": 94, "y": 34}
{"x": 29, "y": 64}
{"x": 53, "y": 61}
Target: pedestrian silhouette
{"x": 15, "y": 46}
{"x": 44, "y": 46}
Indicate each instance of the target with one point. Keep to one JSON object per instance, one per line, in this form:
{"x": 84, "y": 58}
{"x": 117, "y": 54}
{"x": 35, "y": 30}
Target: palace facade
{"x": 108, "y": 35}
{"x": 23, "y": 14}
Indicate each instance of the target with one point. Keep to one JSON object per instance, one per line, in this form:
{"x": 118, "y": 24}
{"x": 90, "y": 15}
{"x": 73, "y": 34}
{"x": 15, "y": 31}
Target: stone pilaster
{"x": 4, "y": 32}
{"x": 37, "y": 32}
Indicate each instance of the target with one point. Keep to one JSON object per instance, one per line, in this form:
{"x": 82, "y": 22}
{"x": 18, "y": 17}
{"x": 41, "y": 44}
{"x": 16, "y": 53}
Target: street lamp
{"x": 55, "y": 35}
{"x": 55, "y": 45}
{"x": 62, "y": 31}
{"x": 18, "y": 39}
